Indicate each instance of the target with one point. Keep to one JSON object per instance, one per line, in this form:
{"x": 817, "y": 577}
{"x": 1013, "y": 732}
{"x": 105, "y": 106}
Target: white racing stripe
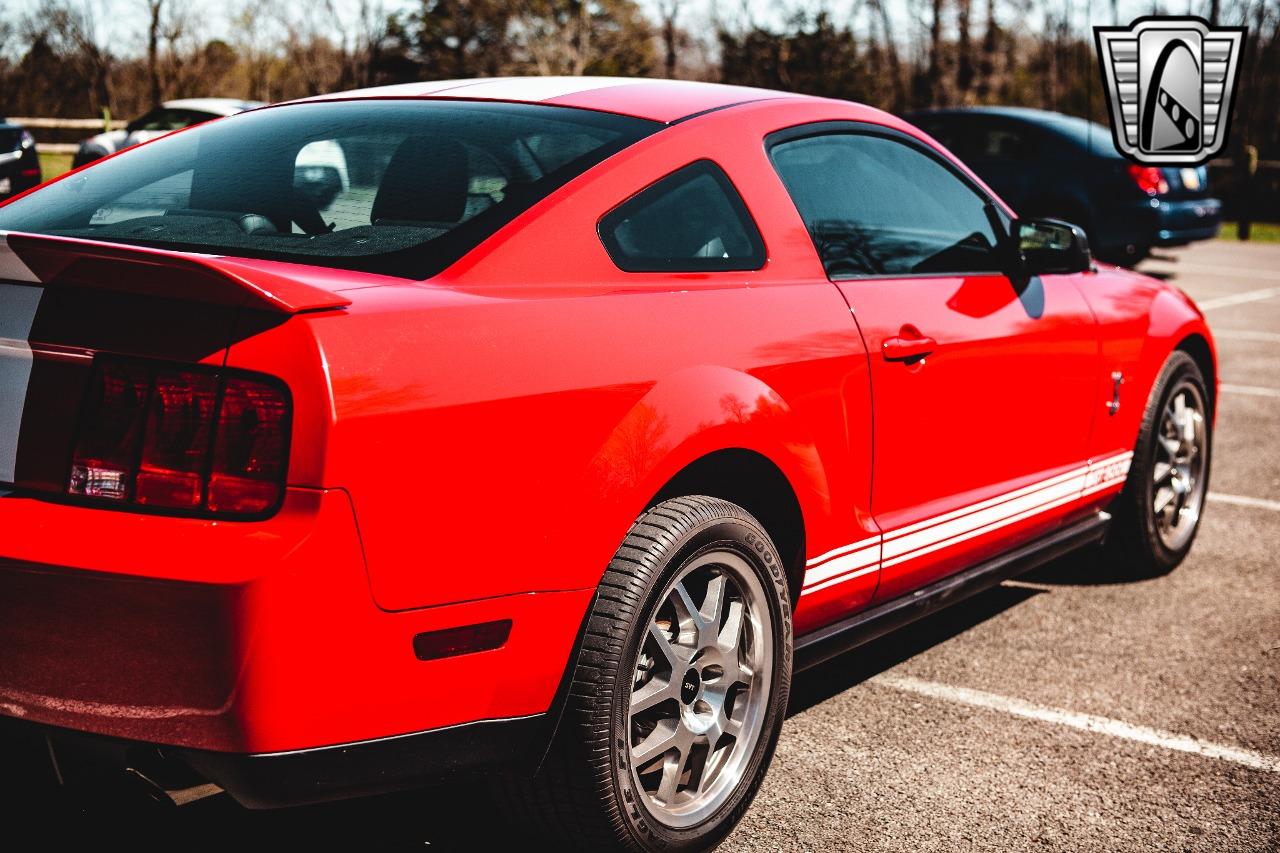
{"x": 1083, "y": 722}
{"x": 841, "y": 565}
{"x": 842, "y": 579}
{"x": 951, "y": 530}
{"x": 534, "y": 88}
{"x": 843, "y": 549}
{"x": 18, "y": 303}
{"x": 916, "y": 540}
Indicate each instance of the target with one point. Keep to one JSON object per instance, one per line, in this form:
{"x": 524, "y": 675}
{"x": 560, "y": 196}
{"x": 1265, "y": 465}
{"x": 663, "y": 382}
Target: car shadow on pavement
{"x": 1088, "y": 567}
{"x": 817, "y": 685}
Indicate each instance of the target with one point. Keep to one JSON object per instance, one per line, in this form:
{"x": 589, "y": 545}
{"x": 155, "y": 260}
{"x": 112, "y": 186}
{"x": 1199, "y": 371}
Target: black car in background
{"x": 19, "y": 162}
{"x": 1047, "y": 164}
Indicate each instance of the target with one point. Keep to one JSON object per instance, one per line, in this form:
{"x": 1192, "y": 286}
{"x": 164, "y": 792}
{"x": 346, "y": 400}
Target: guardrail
{"x": 68, "y": 123}
{"x": 57, "y": 131}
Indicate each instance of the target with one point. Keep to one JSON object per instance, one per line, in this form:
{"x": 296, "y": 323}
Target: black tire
{"x": 584, "y": 796}
{"x": 1134, "y": 542}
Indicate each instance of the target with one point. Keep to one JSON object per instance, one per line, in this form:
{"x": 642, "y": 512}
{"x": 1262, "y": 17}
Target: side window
{"x": 1005, "y": 142}
{"x": 693, "y": 220}
{"x": 876, "y": 206}
{"x": 955, "y": 136}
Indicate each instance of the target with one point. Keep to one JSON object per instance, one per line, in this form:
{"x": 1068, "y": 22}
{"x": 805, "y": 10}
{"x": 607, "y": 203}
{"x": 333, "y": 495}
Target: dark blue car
{"x": 1047, "y": 164}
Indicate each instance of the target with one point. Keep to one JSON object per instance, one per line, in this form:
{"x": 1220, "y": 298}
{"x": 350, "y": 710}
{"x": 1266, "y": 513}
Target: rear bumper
{"x": 1186, "y": 221}
{"x": 245, "y": 638}
{"x": 1156, "y": 222}
{"x": 271, "y": 780}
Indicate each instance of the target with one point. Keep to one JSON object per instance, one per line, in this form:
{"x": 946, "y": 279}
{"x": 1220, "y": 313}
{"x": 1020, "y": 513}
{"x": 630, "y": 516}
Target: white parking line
{"x": 1246, "y": 335}
{"x": 1240, "y": 298}
{"x": 1251, "y": 390}
{"x": 1083, "y": 722}
{"x": 1243, "y": 500}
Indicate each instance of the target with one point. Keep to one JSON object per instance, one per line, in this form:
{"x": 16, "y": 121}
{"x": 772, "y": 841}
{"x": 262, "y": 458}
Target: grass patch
{"x": 53, "y": 165}
{"x": 1262, "y": 232}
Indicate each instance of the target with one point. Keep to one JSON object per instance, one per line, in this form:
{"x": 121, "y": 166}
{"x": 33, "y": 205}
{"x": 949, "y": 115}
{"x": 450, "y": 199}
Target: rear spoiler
{"x": 211, "y": 279}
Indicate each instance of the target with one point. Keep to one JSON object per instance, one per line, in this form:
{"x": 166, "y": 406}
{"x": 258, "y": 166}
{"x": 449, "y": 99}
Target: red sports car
{"x": 548, "y": 441}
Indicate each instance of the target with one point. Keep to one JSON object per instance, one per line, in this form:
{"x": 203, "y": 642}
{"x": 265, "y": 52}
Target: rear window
{"x": 397, "y": 187}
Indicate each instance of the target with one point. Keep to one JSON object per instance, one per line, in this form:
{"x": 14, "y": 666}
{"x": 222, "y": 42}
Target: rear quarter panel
{"x": 500, "y": 428}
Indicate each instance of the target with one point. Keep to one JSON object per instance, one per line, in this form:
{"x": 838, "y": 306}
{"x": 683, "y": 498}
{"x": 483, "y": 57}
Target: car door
{"x": 983, "y": 387}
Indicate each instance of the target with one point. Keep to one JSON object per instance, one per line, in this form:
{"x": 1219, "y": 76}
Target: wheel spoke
{"x": 1189, "y": 428}
{"x": 713, "y": 605}
{"x": 653, "y": 692}
{"x": 672, "y": 770}
{"x": 664, "y": 738}
{"x": 665, "y": 646}
{"x": 1163, "y": 499}
{"x": 730, "y": 637}
{"x": 690, "y": 617}
{"x": 1171, "y": 447}
{"x": 722, "y": 725}
{"x": 1161, "y": 472}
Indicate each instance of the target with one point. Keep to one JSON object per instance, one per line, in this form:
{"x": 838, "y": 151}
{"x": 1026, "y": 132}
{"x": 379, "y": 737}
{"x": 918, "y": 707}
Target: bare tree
{"x": 668, "y": 11}
{"x": 964, "y": 63}
{"x": 155, "y": 8}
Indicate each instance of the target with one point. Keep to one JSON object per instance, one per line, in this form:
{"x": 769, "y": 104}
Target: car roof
{"x": 217, "y": 106}
{"x": 642, "y": 97}
{"x": 1026, "y": 113}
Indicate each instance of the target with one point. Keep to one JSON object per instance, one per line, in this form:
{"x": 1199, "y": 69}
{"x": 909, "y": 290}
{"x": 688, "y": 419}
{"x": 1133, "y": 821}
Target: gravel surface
{"x": 865, "y": 765}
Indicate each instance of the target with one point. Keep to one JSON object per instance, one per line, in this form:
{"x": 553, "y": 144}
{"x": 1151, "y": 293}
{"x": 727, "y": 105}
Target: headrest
{"x": 426, "y": 181}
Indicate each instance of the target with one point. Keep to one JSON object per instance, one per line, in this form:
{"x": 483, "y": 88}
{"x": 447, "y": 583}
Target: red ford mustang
{"x": 543, "y": 427}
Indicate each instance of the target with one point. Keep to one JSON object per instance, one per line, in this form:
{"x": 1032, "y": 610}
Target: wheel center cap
{"x": 690, "y": 686}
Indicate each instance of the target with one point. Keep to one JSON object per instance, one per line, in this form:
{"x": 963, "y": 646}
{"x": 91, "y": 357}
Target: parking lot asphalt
{"x": 1064, "y": 711}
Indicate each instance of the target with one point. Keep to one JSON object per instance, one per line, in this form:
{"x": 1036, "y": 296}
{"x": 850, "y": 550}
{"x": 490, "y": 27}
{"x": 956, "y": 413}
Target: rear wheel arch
{"x": 754, "y": 482}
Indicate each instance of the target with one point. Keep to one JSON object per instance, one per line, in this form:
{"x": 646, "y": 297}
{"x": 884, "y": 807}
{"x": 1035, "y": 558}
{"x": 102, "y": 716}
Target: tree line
{"x": 894, "y": 54}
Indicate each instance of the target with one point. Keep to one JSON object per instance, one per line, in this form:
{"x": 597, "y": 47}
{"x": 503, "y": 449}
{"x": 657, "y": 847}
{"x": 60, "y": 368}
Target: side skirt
{"x": 835, "y": 639}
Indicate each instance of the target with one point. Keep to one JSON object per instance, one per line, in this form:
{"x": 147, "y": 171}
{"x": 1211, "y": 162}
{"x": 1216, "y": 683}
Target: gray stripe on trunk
{"x": 18, "y": 304}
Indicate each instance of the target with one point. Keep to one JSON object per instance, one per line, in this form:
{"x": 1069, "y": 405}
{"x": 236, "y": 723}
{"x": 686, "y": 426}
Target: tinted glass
{"x": 960, "y": 138}
{"x": 1091, "y": 136}
{"x": 398, "y": 187}
{"x": 1005, "y": 142}
{"x": 876, "y": 206}
{"x": 692, "y": 220}
{"x": 165, "y": 118}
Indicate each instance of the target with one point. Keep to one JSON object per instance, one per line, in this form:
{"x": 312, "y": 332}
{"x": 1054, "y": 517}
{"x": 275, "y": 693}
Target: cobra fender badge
{"x": 1117, "y": 379}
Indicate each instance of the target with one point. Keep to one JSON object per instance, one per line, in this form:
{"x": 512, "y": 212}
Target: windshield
{"x": 398, "y": 187}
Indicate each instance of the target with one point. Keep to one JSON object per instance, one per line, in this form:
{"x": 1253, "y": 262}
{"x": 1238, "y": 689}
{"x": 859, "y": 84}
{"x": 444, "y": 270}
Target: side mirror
{"x": 1052, "y": 246}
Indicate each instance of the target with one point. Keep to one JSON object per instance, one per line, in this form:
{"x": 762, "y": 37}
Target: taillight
{"x": 248, "y": 455}
{"x": 182, "y": 439}
{"x": 1149, "y": 179}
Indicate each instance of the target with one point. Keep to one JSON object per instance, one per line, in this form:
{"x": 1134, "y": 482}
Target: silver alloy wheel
{"x": 701, "y": 688}
{"x": 1179, "y": 487}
